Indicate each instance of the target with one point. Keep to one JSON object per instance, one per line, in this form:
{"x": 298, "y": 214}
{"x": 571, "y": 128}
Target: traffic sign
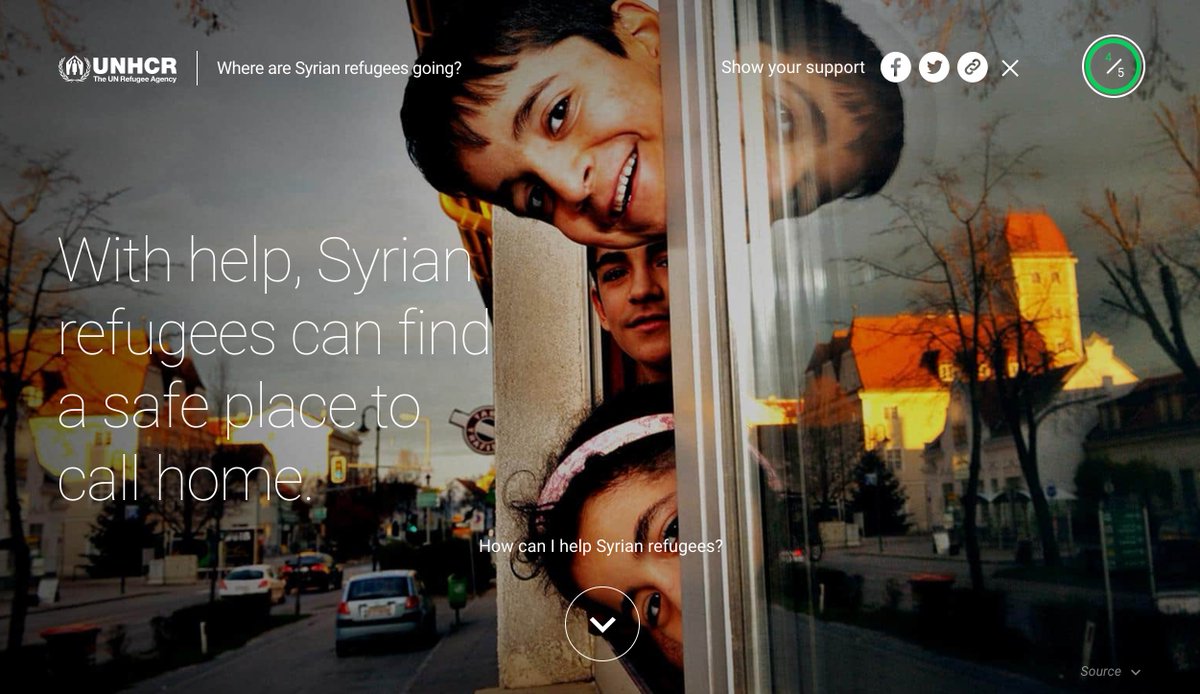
{"x": 479, "y": 428}
{"x": 1124, "y": 536}
{"x": 427, "y": 499}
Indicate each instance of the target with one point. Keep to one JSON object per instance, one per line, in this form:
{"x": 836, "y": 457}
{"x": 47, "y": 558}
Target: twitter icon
{"x": 934, "y": 67}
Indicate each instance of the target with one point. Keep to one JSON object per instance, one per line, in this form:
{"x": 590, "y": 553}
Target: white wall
{"x": 542, "y": 382}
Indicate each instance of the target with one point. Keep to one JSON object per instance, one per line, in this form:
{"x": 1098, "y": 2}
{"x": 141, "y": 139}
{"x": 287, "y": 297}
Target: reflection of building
{"x": 883, "y": 374}
{"x": 1158, "y": 422}
{"x": 1043, "y": 273}
{"x": 896, "y": 375}
{"x": 1065, "y": 396}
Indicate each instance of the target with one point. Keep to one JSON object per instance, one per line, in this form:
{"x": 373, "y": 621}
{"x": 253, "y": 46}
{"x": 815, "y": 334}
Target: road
{"x": 851, "y": 659}
{"x": 1021, "y": 596}
{"x": 300, "y": 657}
{"x": 134, "y": 611}
{"x": 100, "y": 603}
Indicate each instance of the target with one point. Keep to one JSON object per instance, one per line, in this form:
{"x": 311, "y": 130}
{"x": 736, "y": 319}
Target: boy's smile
{"x": 575, "y": 137}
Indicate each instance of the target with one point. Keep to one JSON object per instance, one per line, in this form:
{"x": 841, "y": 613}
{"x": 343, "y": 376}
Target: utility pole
{"x": 879, "y": 505}
{"x": 362, "y": 429}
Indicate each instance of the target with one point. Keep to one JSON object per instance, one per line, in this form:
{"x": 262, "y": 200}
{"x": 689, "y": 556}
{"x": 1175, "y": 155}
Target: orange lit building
{"x": 94, "y": 412}
{"x": 890, "y": 377}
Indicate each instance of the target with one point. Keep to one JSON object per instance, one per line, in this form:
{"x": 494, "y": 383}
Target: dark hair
{"x": 487, "y": 38}
{"x": 593, "y": 255}
{"x": 547, "y": 526}
{"x": 820, "y": 29}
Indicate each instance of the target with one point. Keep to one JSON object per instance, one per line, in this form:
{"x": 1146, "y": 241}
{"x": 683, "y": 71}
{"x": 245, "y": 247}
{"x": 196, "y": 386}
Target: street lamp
{"x": 374, "y": 484}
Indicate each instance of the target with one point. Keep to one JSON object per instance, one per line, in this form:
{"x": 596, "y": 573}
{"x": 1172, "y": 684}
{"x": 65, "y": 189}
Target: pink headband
{"x": 601, "y": 444}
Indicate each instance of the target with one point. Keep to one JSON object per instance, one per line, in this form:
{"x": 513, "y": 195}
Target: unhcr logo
{"x": 130, "y": 69}
{"x": 74, "y": 69}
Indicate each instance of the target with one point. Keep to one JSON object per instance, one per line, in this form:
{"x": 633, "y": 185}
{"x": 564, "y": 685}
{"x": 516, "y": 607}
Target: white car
{"x": 382, "y": 605}
{"x": 254, "y": 580}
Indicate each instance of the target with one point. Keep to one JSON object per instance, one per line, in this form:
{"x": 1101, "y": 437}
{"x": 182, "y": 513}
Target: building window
{"x": 894, "y": 457}
{"x": 102, "y": 438}
{"x": 1055, "y": 278}
{"x": 1176, "y": 402}
{"x": 946, "y": 371}
{"x": 959, "y": 434}
{"x": 1036, "y": 278}
{"x": 891, "y": 412}
{"x": 32, "y": 396}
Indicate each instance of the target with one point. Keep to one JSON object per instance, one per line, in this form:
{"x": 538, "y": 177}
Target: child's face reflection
{"x": 812, "y": 123}
{"x": 641, "y": 508}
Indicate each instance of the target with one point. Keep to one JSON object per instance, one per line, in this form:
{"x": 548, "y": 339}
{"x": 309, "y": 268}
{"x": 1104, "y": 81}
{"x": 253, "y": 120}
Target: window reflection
{"x": 941, "y": 411}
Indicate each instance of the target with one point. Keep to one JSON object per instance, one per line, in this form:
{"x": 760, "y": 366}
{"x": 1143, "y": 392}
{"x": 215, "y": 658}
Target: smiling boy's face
{"x": 575, "y": 136}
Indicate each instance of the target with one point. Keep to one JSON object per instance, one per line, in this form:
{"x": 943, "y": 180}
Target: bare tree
{"x": 35, "y": 239}
{"x": 28, "y": 27}
{"x": 969, "y": 288}
{"x": 992, "y": 27}
{"x": 1153, "y": 267}
{"x": 178, "y": 507}
{"x": 1025, "y": 385}
{"x": 832, "y": 439}
{"x": 950, "y": 257}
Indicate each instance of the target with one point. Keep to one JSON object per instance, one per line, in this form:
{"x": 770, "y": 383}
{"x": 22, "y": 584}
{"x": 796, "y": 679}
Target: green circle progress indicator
{"x": 1113, "y": 66}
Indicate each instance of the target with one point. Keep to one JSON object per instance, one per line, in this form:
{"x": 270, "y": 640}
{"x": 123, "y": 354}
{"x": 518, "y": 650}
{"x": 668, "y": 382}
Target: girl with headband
{"x": 615, "y": 481}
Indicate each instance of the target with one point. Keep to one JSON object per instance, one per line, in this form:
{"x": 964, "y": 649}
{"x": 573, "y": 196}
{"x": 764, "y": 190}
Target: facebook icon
{"x": 895, "y": 67}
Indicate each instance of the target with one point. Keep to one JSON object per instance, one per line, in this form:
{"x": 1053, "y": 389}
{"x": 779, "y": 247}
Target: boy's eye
{"x": 785, "y": 121}
{"x": 558, "y": 115}
{"x": 613, "y": 274}
{"x": 535, "y": 202}
{"x": 653, "y": 607}
{"x": 671, "y": 534}
{"x": 661, "y": 261}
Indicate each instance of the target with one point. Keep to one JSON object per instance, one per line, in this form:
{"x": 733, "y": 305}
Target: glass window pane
{"x": 928, "y": 267}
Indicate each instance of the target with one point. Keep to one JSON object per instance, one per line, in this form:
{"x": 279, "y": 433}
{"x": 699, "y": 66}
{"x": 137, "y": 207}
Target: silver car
{"x": 382, "y": 605}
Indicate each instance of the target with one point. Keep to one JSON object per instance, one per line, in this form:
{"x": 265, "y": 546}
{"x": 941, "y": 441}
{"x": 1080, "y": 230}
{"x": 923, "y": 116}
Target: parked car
{"x": 256, "y": 580}
{"x": 312, "y": 570}
{"x": 384, "y": 605}
{"x": 797, "y": 555}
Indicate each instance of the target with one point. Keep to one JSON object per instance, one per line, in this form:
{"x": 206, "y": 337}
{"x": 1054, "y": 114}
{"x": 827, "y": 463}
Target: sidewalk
{"x": 90, "y": 591}
{"x": 921, "y": 547}
{"x": 465, "y": 659}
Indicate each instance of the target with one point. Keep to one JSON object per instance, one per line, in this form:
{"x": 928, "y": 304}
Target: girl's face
{"x": 640, "y": 509}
